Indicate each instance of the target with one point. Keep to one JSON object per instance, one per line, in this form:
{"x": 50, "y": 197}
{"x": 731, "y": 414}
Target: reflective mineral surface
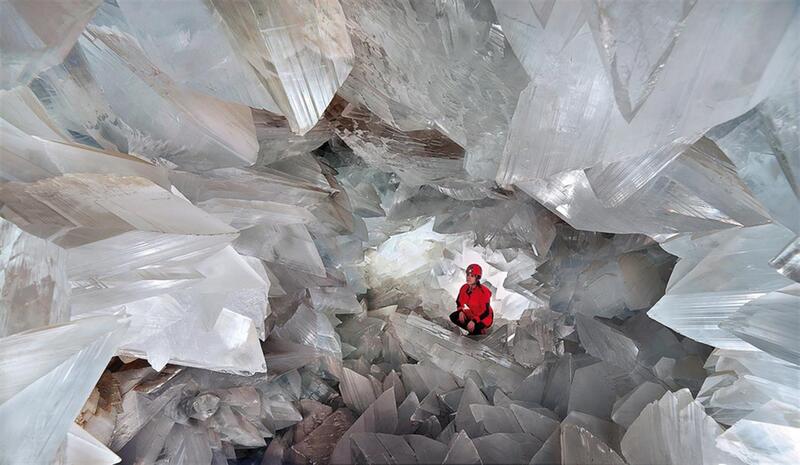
{"x": 232, "y": 231}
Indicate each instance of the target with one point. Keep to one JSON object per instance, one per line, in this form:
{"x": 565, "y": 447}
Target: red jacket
{"x": 477, "y": 301}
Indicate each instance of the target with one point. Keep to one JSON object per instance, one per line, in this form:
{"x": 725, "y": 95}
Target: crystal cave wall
{"x": 232, "y": 231}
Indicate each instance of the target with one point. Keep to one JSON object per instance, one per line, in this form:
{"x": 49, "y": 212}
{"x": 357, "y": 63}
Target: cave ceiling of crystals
{"x": 232, "y": 232}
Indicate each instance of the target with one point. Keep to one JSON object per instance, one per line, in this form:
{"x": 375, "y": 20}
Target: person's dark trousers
{"x": 454, "y": 319}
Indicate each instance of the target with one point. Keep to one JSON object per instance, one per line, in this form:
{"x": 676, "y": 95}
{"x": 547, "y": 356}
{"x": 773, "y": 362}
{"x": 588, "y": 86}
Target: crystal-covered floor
{"x": 231, "y": 232}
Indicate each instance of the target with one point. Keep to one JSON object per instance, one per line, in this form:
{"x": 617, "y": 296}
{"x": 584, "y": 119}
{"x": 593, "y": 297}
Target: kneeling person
{"x": 473, "y": 311}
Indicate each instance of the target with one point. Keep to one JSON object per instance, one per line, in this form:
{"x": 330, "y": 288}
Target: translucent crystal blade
{"x": 380, "y": 417}
{"x": 426, "y": 341}
{"x": 82, "y": 447}
{"x": 37, "y": 36}
{"x": 301, "y": 52}
{"x": 99, "y": 216}
{"x": 22, "y": 110}
{"x": 207, "y": 62}
{"x": 678, "y": 196}
{"x": 635, "y": 69}
{"x": 628, "y": 408}
{"x": 357, "y": 391}
{"x": 787, "y": 262}
{"x": 770, "y": 323}
{"x": 457, "y": 52}
{"x": 583, "y": 123}
{"x": 607, "y": 343}
{"x": 579, "y": 446}
{"x": 33, "y": 281}
{"x": 768, "y": 435}
{"x": 25, "y": 158}
{"x": 721, "y": 282}
{"x": 763, "y": 144}
{"x": 462, "y": 451}
{"x": 67, "y": 359}
{"x": 188, "y": 128}
{"x": 419, "y": 157}
{"x": 651, "y": 437}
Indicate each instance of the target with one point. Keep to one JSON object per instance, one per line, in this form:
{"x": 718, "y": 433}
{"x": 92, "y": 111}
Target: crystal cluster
{"x": 232, "y": 232}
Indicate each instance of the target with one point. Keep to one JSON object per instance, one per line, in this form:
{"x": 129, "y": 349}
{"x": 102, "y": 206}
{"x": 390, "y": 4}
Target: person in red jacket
{"x": 473, "y": 311}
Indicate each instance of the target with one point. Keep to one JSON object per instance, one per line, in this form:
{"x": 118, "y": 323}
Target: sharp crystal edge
{"x": 66, "y": 358}
{"x": 581, "y": 64}
{"x": 37, "y": 36}
{"x": 235, "y": 232}
{"x": 300, "y": 51}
